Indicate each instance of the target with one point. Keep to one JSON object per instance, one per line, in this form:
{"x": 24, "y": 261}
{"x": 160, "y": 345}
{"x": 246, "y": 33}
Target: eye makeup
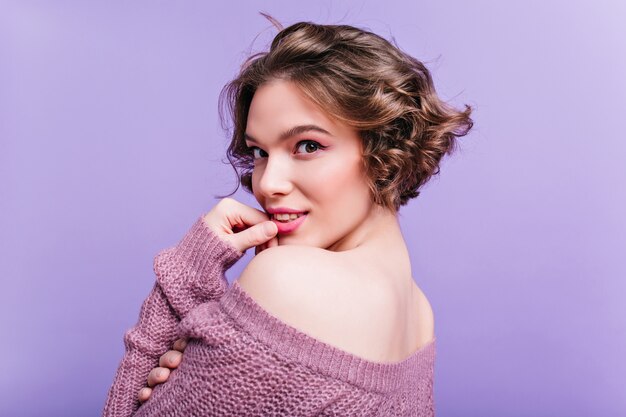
{"x": 250, "y": 149}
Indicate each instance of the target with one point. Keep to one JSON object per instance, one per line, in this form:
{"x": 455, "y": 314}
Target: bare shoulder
{"x": 296, "y": 284}
{"x": 310, "y": 289}
{"x": 318, "y": 293}
{"x": 424, "y": 318}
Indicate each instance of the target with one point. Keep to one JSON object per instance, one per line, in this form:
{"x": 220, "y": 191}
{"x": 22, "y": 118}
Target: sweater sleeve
{"x": 188, "y": 274}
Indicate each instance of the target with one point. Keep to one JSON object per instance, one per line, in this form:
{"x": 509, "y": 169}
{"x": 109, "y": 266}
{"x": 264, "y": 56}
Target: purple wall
{"x": 110, "y": 149}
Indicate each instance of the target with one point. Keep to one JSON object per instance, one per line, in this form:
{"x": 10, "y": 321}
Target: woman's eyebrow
{"x": 296, "y": 130}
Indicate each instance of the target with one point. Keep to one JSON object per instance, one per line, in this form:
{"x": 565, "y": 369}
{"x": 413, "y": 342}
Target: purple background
{"x": 110, "y": 149}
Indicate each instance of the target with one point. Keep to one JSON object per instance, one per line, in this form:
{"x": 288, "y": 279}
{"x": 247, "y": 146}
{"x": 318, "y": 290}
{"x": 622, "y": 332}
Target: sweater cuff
{"x": 201, "y": 249}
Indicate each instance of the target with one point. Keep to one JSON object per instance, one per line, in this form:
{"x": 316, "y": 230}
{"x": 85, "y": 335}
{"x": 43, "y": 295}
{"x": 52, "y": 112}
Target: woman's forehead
{"x": 280, "y": 109}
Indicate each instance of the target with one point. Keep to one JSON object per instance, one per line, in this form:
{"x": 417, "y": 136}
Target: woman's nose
{"x": 275, "y": 177}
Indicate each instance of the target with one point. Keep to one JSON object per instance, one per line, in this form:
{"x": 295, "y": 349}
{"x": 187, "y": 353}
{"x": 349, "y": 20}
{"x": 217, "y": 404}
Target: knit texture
{"x": 241, "y": 360}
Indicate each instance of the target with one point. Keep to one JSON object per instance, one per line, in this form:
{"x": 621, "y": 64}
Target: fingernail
{"x": 268, "y": 228}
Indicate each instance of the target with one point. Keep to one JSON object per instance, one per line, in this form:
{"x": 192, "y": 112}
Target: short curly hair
{"x": 361, "y": 79}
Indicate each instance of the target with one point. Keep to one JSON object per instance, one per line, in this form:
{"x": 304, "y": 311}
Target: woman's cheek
{"x": 333, "y": 175}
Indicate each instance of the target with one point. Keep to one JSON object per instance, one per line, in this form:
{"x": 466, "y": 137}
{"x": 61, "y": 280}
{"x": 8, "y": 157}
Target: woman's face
{"x": 299, "y": 166}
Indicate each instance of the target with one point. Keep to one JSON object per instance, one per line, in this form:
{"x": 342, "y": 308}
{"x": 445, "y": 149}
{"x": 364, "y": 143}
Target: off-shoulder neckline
{"x": 321, "y": 356}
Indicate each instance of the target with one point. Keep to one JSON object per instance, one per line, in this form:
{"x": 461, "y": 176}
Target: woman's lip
{"x": 290, "y": 226}
{"x": 287, "y": 212}
{"x": 278, "y": 210}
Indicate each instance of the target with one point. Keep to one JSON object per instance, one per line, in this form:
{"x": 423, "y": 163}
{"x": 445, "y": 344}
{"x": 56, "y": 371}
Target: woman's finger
{"x": 260, "y": 248}
{"x": 240, "y": 225}
{"x": 180, "y": 345}
{"x": 144, "y": 394}
{"x": 170, "y": 359}
{"x": 254, "y": 235}
{"x": 273, "y": 242}
{"x": 229, "y": 216}
{"x": 157, "y": 376}
{"x": 266, "y": 245}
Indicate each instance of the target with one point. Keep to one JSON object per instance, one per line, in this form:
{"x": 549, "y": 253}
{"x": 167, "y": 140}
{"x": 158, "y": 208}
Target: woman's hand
{"x": 168, "y": 361}
{"x": 242, "y": 226}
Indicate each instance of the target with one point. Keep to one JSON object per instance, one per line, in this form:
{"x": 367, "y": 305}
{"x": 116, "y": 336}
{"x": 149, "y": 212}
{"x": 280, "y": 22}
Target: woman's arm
{"x": 187, "y": 275}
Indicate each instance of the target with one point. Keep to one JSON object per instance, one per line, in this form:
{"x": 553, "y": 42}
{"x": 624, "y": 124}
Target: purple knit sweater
{"x": 242, "y": 361}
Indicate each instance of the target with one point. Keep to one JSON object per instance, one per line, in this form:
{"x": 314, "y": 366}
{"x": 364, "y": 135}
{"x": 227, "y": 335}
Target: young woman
{"x": 339, "y": 128}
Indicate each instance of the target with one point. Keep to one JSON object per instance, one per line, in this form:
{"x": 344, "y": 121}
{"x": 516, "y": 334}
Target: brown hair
{"x": 363, "y": 80}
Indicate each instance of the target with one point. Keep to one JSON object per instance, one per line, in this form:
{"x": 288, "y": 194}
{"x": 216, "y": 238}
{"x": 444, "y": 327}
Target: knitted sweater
{"x": 242, "y": 361}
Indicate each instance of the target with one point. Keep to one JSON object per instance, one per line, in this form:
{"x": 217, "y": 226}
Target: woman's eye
{"x": 315, "y": 146}
{"x": 252, "y": 149}
{"x": 307, "y": 146}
